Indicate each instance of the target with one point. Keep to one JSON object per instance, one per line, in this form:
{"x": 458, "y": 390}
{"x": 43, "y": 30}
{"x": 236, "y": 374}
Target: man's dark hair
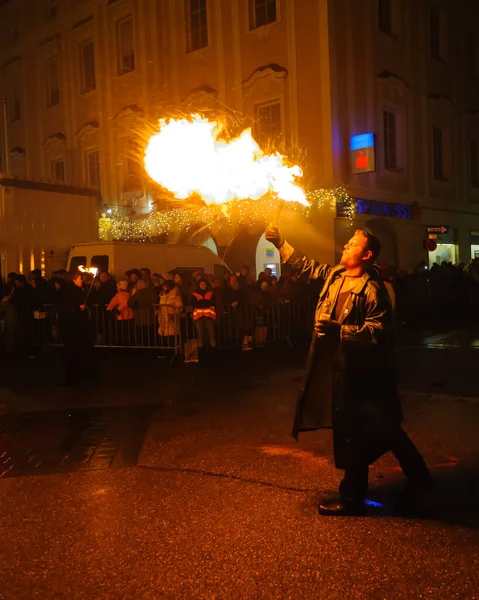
{"x": 372, "y": 244}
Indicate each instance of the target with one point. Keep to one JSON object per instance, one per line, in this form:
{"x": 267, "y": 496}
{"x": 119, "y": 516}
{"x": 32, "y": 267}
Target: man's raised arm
{"x": 294, "y": 258}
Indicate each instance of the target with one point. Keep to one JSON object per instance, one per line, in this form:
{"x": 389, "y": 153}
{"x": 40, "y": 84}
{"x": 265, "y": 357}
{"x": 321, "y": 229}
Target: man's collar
{"x": 360, "y": 283}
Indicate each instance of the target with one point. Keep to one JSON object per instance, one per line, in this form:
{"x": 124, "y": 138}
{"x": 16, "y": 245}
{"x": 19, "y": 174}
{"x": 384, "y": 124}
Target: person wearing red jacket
{"x": 204, "y": 314}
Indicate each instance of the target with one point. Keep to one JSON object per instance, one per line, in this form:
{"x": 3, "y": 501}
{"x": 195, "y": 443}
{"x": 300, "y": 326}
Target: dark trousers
{"x": 354, "y": 485}
{"x": 78, "y": 353}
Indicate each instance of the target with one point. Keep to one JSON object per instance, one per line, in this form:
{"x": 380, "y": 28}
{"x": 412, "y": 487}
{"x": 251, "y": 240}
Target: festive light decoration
{"x": 196, "y": 156}
{"x": 245, "y": 212}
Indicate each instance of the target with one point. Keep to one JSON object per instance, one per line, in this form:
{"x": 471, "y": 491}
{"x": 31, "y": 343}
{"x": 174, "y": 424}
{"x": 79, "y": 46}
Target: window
{"x": 435, "y": 34}
{"x": 15, "y": 101}
{"x": 58, "y": 170}
{"x": 53, "y": 89}
{"x": 261, "y": 12}
{"x": 125, "y": 45}
{"x": 87, "y": 66}
{"x": 133, "y": 175}
{"x": 385, "y": 22}
{"x": 474, "y": 162}
{"x": 196, "y": 25}
{"x": 390, "y": 133}
{"x": 268, "y": 123}
{"x": 92, "y": 159}
{"x": 438, "y": 151}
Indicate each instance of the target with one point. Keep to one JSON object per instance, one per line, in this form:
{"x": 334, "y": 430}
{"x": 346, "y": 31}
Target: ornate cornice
{"x": 273, "y": 70}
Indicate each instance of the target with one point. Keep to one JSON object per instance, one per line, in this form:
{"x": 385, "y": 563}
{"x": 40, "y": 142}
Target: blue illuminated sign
{"x": 378, "y": 209}
{"x": 384, "y": 209}
{"x": 365, "y": 140}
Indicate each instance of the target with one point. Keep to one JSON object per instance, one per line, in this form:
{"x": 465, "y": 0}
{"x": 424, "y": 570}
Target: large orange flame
{"x": 186, "y": 156}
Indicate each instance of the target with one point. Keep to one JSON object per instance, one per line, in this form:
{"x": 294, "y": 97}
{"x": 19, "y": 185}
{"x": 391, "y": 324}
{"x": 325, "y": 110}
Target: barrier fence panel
{"x": 162, "y": 327}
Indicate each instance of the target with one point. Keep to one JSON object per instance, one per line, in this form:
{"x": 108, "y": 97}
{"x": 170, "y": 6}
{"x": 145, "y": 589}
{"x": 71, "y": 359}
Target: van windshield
{"x": 101, "y": 262}
{"x": 76, "y": 262}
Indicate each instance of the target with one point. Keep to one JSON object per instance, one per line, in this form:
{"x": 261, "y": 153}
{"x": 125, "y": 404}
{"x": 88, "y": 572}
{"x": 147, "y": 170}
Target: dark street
{"x": 184, "y": 482}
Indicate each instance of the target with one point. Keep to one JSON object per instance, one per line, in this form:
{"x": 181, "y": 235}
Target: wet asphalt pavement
{"x": 184, "y": 482}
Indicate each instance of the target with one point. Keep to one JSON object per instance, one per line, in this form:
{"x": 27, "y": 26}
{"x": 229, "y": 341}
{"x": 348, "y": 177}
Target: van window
{"x": 76, "y": 262}
{"x": 101, "y": 261}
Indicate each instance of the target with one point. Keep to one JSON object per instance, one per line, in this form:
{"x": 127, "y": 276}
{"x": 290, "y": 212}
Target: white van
{"x": 119, "y": 257}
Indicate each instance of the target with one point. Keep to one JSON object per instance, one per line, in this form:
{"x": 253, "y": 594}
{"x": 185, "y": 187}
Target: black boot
{"x": 342, "y": 508}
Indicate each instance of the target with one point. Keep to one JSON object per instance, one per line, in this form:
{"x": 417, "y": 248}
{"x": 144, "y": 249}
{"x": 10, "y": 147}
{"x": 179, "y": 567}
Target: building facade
{"x": 82, "y": 77}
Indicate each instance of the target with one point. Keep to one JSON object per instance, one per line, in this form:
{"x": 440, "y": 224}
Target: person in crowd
{"x": 36, "y": 274}
{"x": 266, "y": 303}
{"x": 20, "y": 315}
{"x": 261, "y": 278}
{"x": 169, "y": 311}
{"x": 274, "y": 287}
{"x": 232, "y": 292}
{"x": 87, "y": 281}
{"x": 8, "y": 286}
{"x": 104, "y": 291}
{"x": 42, "y": 316}
{"x": 106, "y": 288}
{"x": 20, "y": 292}
{"x": 226, "y": 278}
{"x": 143, "y": 305}
{"x": 156, "y": 281}
{"x": 181, "y": 286}
{"x": 265, "y": 299}
{"x": 293, "y": 288}
{"x": 204, "y": 314}
{"x": 350, "y": 385}
{"x": 146, "y": 276}
{"x": 40, "y": 295}
{"x": 133, "y": 276}
{"x": 76, "y": 335}
{"x": 243, "y": 278}
{"x": 123, "y": 330}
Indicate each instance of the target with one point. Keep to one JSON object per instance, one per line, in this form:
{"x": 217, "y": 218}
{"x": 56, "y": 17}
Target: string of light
{"x": 235, "y": 213}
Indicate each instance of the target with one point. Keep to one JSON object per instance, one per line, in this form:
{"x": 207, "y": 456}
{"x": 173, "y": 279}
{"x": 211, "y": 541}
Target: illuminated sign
{"x": 358, "y": 142}
{"x": 378, "y": 209}
{"x": 362, "y": 153}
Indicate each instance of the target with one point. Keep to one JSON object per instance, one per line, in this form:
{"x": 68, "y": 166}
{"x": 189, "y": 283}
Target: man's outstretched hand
{"x": 273, "y": 235}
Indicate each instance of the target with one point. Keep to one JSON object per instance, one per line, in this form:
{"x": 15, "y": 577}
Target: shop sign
{"x": 377, "y": 209}
{"x": 362, "y": 151}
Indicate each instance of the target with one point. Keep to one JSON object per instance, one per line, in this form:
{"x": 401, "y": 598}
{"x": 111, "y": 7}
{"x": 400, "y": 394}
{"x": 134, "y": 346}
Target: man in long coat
{"x": 350, "y": 384}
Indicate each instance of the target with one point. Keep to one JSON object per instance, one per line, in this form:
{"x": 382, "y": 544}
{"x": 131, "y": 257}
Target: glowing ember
{"x": 187, "y": 157}
{"x": 92, "y": 270}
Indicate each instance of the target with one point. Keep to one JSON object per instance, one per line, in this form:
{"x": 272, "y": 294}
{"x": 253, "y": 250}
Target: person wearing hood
{"x": 171, "y": 305}
{"x": 204, "y": 314}
{"x": 123, "y": 326}
{"x": 350, "y": 384}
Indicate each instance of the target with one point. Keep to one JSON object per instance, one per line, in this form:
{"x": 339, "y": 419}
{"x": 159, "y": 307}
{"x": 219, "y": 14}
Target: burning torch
{"x": 93, "y": 271}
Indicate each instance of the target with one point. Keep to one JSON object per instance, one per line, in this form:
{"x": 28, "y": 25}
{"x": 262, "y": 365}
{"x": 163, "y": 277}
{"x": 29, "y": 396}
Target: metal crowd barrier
{"x": 160, "y": 327}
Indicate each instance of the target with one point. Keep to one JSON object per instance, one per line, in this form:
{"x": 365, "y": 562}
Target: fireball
{"x": 192, "y": 156}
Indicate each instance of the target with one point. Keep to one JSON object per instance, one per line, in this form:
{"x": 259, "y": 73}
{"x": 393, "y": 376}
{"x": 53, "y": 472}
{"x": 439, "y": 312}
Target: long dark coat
{"x": 350, "y": 384}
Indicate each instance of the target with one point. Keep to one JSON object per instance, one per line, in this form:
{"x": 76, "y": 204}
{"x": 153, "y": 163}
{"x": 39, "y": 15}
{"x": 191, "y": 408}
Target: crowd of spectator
{"x": 145, "y": 305}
